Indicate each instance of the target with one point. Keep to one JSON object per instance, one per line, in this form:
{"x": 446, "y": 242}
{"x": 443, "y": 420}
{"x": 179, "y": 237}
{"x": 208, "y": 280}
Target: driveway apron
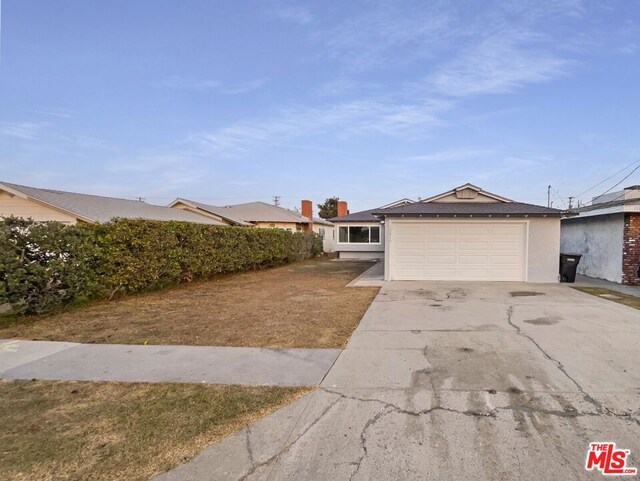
{"x": 452, "y": 381}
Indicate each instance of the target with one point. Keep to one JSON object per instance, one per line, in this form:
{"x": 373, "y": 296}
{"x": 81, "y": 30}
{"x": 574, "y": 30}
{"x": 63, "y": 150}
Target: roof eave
{"x": 418, "y": 215}
{"x": 24, "y": 195}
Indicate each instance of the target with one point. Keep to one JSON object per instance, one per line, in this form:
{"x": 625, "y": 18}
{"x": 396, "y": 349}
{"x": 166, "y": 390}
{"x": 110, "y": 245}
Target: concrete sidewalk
{"x": 614, "y": 286}
{"x": 188, "y": 364}
{"x": 372, "y": 277}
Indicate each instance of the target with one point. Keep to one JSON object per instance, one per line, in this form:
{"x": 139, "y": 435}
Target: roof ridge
{"x": 57, "y": 191}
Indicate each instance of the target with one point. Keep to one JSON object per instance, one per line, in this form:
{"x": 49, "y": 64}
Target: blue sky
{"x": 226, "y": 101}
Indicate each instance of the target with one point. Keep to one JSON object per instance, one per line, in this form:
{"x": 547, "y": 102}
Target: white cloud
{"x": 292, "y": 13}
{"x": 497, "y": 64}
{"x": 184, "y": 82}
{"x": 390, "y": 34}
{"x": 21, "y": 130}
{"x": 448, "y": 155}
{"x": 349, "y": 118}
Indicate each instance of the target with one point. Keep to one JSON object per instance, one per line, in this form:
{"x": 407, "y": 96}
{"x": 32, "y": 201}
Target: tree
{"x": 329, "y": 208}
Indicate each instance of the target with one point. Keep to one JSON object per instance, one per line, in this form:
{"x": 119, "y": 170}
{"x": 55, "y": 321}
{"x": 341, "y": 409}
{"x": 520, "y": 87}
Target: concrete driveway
{"x": 452, "y": 381}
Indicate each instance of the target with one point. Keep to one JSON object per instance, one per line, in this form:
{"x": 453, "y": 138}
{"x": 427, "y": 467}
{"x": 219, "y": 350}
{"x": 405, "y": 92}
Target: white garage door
{"x": 443, "y": 250}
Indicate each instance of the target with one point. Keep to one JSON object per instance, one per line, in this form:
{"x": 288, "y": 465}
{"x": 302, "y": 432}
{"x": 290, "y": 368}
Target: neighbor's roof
{"x": 253, "y": 212}
{"x": 320, "y": 220}
{"x": 606, "y": 205}
{"x": 95, "y": 208}
{"x": 222, "y": 212}
{"x": 468, "y": 209}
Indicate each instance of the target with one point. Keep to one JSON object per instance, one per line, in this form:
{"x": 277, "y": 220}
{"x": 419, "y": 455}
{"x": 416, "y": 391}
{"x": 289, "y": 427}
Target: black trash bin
{"x": 568, "y": 267}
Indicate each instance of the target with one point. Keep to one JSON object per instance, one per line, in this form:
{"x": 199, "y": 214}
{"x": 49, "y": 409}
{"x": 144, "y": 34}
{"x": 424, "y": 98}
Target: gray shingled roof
{"x": 222, "y": 212}
{"x": 320, "y": 220}
{"x": 469, "y": 208}
{"x": 254, "y": 212}
{"x": 103, "y": 209}
{"x": 362, "y": 216}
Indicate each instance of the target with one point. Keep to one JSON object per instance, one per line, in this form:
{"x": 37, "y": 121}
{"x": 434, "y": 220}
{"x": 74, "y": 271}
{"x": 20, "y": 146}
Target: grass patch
{"x": 304, "y": 304}
{"x": 112, "y": 431}
{"x": 608, "y": 294}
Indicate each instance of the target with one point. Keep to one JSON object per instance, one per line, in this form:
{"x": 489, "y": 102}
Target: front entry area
{"x": 453, "y": 250}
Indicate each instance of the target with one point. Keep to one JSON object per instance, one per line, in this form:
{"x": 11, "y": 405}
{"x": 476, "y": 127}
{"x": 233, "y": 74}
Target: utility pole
{"x": 570, "y": 203}
{"x": 549, "y": 196}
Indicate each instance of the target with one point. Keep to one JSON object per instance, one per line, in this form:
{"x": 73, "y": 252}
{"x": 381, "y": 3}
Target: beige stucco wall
{"x": 543, "y": 262}
{"x": 20, "y": 207}
{"x": 281, "y": 225}
{"x": 181, "y": 206}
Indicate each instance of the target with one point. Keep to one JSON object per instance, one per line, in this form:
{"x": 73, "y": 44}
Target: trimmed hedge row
{"x": 44, "y": 266}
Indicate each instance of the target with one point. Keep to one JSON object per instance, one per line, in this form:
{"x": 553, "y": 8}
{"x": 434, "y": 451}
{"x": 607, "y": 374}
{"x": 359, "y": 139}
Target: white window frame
{"x": 360, "y": 243}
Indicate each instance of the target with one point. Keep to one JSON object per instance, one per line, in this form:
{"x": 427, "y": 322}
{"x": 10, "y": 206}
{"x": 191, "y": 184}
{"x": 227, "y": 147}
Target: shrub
{"x": 45, "y": 266}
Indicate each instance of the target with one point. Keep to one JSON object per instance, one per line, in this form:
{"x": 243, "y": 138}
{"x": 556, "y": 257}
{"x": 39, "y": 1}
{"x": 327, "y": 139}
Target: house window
{"x": 321, "y": 232}
{"x": 359, "y": 234}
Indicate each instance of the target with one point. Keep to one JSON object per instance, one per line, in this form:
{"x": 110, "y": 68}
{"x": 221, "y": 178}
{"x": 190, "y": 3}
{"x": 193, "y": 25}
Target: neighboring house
{"x": 255, "y": 214}
{"x": 462, "y": 234}
{"x": 320, "y": 226}
{"x": 325, "y": 229}
{"x": 70, "y": 208}
{"x": 607, "y": 235}
{"x": 260, "y": 214}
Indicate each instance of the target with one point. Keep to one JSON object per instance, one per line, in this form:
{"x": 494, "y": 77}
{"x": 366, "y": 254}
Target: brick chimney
{"x": 342, "y": 208}
{"x": 306, "y": 209}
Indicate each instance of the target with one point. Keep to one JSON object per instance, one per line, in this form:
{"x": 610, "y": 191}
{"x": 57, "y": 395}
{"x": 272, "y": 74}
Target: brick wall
{"x": 631, "y": 250}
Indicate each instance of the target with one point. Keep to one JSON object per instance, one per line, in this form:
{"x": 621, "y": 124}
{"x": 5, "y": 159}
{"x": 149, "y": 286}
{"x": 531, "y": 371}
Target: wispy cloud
{"x": 349, "y": 118}
{"x": 291, "y": 13}
{"x": 22, "y": 130}
{"x": 374, "y": 38}
{"x": 448, "y": 156}
{"x": 189, "y": 83}
{"x": 54, "y": 112}
{"x": 498, "y": 64}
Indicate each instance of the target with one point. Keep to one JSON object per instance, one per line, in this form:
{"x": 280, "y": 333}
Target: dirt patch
{"x": 613, "y": 296}
{"x": 526, "y": 293}
{"x": 107, "y": 431}
{"x": 465, "y": 349}
{"x": 543, "y": 321}
{"x": 300, "y": 305}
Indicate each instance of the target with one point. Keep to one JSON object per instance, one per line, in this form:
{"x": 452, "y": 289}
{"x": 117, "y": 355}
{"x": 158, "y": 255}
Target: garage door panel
{"x": 448, "y": 260}
{"x": 458, "y": 251}
{"x": 469, "y": 245}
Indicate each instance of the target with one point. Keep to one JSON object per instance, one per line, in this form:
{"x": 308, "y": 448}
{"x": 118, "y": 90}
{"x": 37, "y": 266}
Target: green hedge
{"x": 44, "y": 266}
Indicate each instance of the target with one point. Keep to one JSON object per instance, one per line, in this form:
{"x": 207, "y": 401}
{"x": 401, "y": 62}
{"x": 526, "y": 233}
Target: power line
{"x": 611, "y": 176}
{"x": 617, "y": 184}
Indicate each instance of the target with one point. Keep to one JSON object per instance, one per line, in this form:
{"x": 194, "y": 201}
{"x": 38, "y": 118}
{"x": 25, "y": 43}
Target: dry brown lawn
{"x": 610, "y": 295}
{"x": 115, "y": 431}
{"x": 299, "y": 305}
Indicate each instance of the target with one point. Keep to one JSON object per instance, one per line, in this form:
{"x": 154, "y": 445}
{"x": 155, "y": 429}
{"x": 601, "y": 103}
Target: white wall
{"x": 328, "y": 241}
{"x": 543, "y": 247}
{"x": 599, "y": 240}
